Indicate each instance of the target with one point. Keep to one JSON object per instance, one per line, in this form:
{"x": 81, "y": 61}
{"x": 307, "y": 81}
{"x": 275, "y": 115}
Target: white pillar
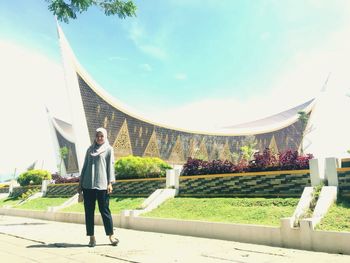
{"x": 44, "y": 185}
{"x": 331, "y": 171}
{"x": 316, "y": 172}
{"x": 170, "y": 178}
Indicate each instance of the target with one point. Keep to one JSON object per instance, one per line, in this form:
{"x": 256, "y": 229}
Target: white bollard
{"x": 170, "y": 178}
{"x": 331, "y": 173}
{"x": 316, "y": 172}
{"x": 44, "y": 185}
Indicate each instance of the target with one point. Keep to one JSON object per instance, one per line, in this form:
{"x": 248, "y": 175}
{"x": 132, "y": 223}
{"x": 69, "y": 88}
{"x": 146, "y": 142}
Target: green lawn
{"x": 42, "y": 203}
{"x": 115, "y": 204}
{"x": 338, "y": 217}
{"x": 262, "y": 211}
{"x": 9, "y": 201}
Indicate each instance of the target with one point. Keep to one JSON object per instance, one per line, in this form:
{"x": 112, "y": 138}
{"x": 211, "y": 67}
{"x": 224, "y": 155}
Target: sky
{"x": 193, "y": 64}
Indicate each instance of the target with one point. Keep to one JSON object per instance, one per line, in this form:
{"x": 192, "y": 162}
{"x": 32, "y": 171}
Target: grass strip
{"x": 42, "y": 203}
{"x": 338, "y": 217}
{"x": 261, "y": 211}
{"x": 116, "y": 205}
{"x": 9, "y": 201}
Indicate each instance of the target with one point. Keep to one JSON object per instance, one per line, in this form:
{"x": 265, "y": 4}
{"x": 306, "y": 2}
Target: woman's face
{"x": 100, "y": 139}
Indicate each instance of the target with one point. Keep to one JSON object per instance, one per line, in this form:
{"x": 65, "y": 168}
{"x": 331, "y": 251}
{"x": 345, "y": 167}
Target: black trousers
{"x": 90, "y": 196}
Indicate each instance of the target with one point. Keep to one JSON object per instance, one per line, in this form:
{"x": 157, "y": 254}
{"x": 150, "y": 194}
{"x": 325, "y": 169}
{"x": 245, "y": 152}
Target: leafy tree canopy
{"x": 68, "y": 9}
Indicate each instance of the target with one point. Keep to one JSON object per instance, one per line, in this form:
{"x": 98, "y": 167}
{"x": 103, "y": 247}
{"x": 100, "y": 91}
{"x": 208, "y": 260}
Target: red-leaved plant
{"x": 262, "y": 161}
{"x": 64, "y": 180}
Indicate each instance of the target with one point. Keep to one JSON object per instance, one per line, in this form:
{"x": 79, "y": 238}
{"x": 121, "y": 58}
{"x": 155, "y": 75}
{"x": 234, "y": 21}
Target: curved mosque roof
{"x": 268, "y": 124}
{"x": 272, "y": 122}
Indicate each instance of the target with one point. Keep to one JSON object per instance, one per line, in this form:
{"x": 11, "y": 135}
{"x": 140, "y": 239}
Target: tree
{"x": 63, "y": 156}
{"x": 303, "y": 118}
{"x": 68, "y": 9}
{"x": 248, "y": 148}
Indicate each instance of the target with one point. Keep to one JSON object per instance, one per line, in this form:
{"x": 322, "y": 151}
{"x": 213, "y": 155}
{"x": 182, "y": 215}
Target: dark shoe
{"x": 114, "y": 241}
{"x": 92, "y": 243}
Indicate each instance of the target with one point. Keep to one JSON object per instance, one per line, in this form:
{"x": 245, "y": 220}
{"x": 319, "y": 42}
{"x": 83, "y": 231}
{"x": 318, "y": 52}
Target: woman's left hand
{"x": 109, "y": 189}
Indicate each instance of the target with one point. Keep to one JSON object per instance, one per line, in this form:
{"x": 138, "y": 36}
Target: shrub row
{"x": 129, "y": 167}
{"x": 57, "y": 179}
{"x": 33, "y": 177}
{"x": 262, "y": 161}
{"x": 140, "y": 167}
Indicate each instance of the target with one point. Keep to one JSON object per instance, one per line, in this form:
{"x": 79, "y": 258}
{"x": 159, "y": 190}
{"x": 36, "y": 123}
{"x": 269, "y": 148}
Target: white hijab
{"x": 97, "y": 149}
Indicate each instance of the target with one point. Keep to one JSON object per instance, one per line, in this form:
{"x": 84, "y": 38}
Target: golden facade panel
{"x": 177, "y": 153}
{"x": 122, "y": 144}
{"x": 152, "y": 149}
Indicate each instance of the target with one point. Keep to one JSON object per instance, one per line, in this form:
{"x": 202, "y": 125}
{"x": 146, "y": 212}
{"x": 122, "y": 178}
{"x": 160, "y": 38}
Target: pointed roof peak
{"x": 325, "y": 85}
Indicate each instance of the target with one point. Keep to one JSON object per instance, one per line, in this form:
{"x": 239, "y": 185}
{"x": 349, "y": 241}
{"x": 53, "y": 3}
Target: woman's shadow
{"x": 62, "y": 245}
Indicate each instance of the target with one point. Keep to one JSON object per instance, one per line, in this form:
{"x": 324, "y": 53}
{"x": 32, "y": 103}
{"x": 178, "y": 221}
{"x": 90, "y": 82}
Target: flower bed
{"x": 262, "y": 161}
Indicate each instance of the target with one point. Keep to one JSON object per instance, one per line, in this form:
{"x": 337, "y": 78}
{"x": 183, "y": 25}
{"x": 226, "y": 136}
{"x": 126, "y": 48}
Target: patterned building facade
{"x": 130, "y": 135}
{"x": 70, "y": 162}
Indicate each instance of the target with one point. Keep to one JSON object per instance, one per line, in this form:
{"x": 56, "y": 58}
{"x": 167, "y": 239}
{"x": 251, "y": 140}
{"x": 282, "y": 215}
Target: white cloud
{"x": 153, "y": 51}
{"x": 136, "y": 32}
{"x": 117, "y": 58}
{"x": 180, "y": 76}
{"x": 146, "y": 67}
{"x": 300, "y": 81}
{"x": 145, "y": 43}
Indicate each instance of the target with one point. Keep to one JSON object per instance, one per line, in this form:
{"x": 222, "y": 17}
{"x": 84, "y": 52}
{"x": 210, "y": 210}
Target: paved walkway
{"x": 32, "y": 240}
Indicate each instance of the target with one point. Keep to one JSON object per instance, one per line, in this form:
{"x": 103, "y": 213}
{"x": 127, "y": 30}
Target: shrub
{"x": 242, "y": 166}
{"x": 262, "y": 161}
{"x": 196, "y": 167}
{"x": 303, "y": 161}
{"x": 291, "y": 160}
{"x": 140, "y": 167}
{"x": 288, "y": 160}
{"x": 57, "y": 179}
{"x": 192, "y": 167}
{"x": 33, "y": 177}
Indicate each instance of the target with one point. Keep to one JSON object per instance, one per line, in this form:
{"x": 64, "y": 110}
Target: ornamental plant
{"x": 58, "y": 179}
{"x": 33, "y": 177}
{"x": 197, "y": 167}
{"x": 265, "y": 161}
{"x": 140, "y": 167}
{"x": 262, "y": 161}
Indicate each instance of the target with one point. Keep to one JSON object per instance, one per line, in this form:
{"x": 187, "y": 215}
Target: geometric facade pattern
{"x": 132, "y": 135}
{"x": 262, "y": 184}
{"x": 344, "y": 182}
{"x": 70, "y": 162}
{"x": 4, "y": 190}
{"x": 142, "y": 188}
{"x": 271, "y": 185}
{"x": 122, "y": 145}
{"x": 61, "y": 190}
{"x": 152, "y": 149}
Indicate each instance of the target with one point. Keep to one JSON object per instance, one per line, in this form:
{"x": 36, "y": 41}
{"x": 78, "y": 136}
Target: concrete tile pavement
{"x": 32, "y": 240}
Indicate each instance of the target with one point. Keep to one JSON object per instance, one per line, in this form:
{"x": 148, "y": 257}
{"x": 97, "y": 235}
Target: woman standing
{"x": 96, "y": 180}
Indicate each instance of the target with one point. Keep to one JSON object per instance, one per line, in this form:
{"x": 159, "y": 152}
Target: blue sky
{"x": 219, "y": 61}
{"x": 192, "y": 64}
{"x": 179, "y": 51}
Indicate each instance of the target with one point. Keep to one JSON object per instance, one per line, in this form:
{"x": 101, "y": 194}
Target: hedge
{"x": 140, "y": 167}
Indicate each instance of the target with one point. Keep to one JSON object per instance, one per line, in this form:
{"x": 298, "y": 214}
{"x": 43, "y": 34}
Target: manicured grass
{"x": 262, "y": 211}
{"x": 115, "y": 204}
{"x": 9, "y": 201}
{"x": 338, "y": 217}
{"x": 42, "y": 203}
